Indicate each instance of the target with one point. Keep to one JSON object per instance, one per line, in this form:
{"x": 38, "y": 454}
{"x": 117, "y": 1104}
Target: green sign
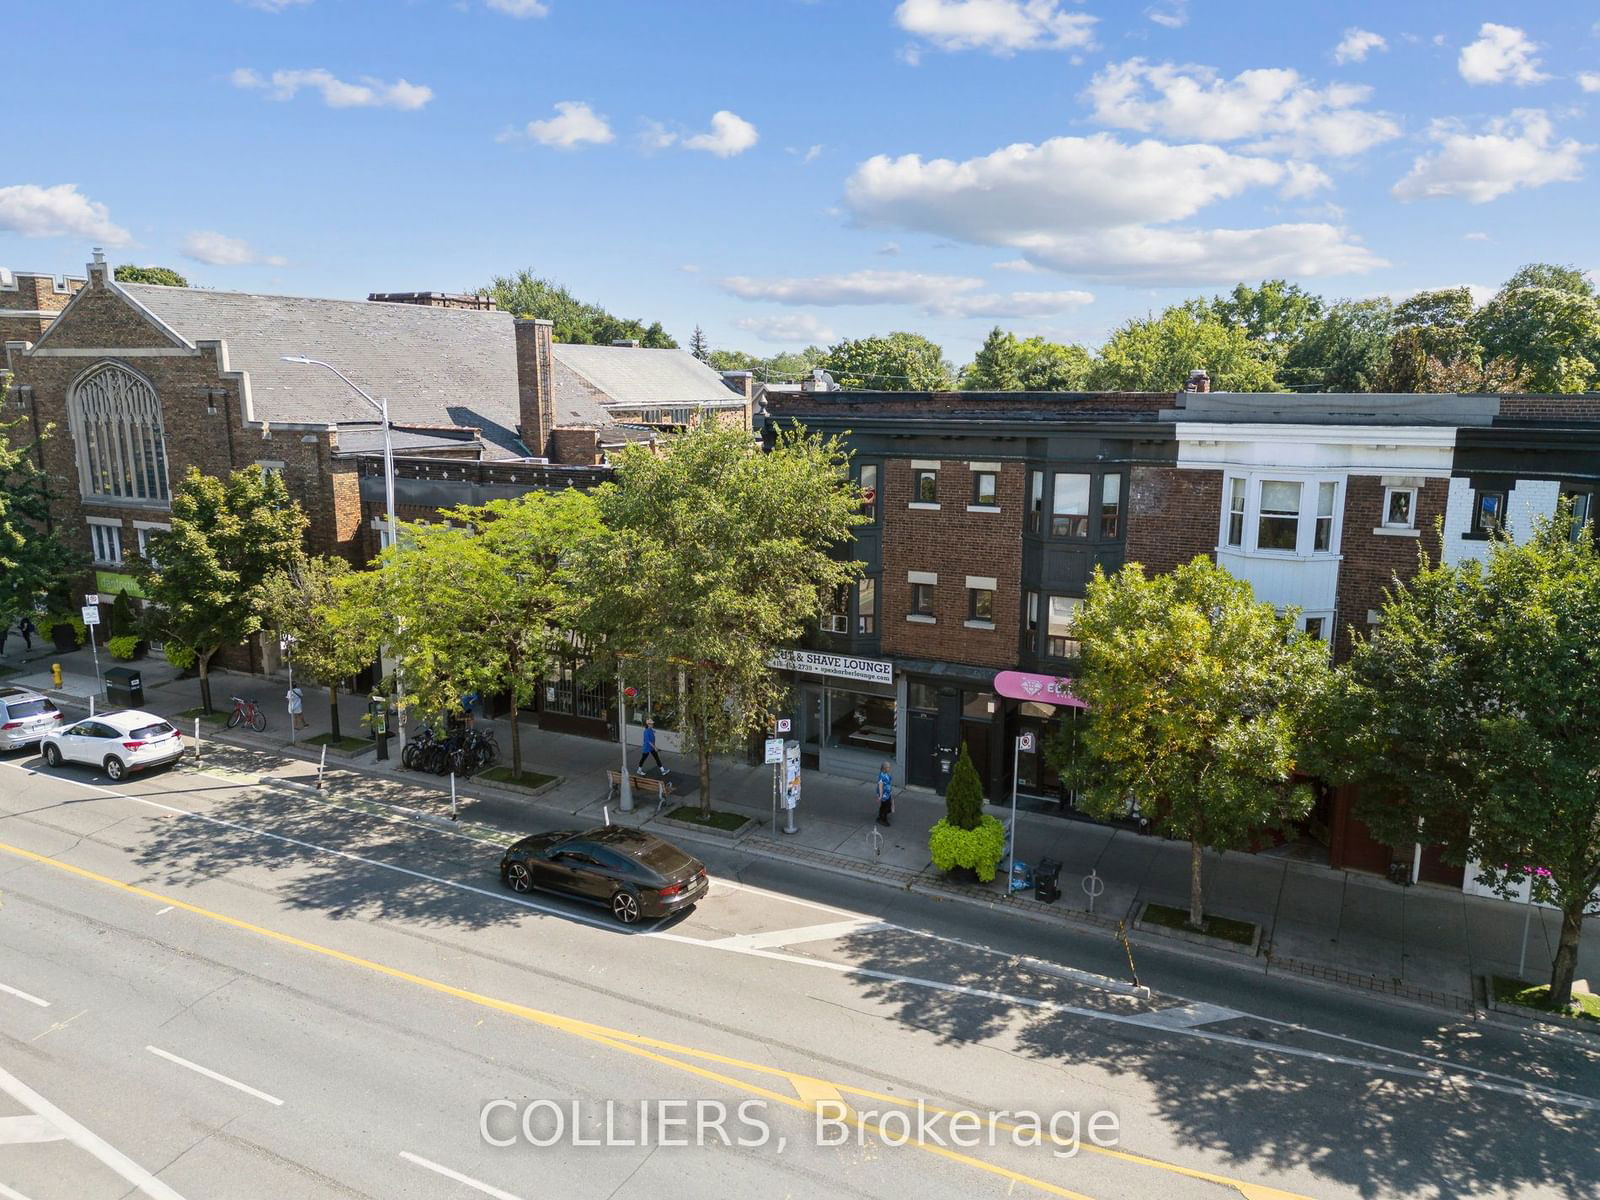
{"x": 111, "y": 582}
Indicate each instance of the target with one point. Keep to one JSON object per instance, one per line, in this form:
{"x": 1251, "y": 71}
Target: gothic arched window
{"x": 116, "y": 421}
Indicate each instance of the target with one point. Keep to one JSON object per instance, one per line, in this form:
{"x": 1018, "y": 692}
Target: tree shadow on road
{"x": 1374, "y": 1131}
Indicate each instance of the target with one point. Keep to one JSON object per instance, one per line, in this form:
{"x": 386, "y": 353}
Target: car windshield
{"x": 147, "y": 732}
{"x": 29, "y": 708}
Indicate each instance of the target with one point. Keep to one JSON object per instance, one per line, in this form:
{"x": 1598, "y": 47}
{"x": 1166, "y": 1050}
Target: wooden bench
{"x": 645, "y": 785}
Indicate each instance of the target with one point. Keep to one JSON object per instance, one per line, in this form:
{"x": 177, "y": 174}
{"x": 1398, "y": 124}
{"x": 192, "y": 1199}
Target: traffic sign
{"x": 91, "y": 614}
{"x": 1025, "y": 742}
{"x": 92, "y": 598}
{"x": 774, "y": 751}
{"x": 785, "y": 724}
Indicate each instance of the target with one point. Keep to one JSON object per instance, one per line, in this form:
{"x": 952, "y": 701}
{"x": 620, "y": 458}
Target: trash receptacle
{"x": 1046, "y": 886}
{"x": 124, "y": 687}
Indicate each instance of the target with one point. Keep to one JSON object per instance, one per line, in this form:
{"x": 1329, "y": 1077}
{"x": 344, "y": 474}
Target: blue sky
{"x": 785, "y": 171}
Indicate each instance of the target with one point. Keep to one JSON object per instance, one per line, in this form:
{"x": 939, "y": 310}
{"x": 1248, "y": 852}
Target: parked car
{"x": 634, "y": 874}
{"x": 118, "y": 742}
{"x": 25, "y": 717}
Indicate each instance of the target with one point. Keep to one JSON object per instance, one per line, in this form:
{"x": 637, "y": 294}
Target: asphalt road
{"x": 213, "y": 990}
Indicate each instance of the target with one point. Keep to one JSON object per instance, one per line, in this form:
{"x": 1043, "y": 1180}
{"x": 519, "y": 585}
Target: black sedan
{"x": 634, "y": 874}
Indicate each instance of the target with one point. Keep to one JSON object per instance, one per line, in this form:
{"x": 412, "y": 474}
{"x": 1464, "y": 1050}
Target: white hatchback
{"x": 117, "y": 742}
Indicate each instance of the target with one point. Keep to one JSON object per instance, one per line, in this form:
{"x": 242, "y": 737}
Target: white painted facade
{"x": 1530, "y": 498}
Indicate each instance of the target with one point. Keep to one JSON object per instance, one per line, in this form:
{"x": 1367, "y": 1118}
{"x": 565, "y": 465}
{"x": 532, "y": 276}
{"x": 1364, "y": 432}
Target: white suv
{"x": 25, "y": 717}
{"x": 119, "y": 742}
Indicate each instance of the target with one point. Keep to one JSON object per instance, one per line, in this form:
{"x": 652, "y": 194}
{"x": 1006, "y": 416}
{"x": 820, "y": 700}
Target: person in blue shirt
{"x": 885, "y": 793}
{"x": 649, "y": 747}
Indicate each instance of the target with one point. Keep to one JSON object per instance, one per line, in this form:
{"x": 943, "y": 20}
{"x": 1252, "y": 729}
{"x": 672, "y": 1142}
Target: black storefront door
{"x": 922, "y": 768}
{"x": 947, "y": 736}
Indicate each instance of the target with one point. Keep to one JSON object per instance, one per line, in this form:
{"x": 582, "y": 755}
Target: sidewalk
{"x": 1425, "y": 943}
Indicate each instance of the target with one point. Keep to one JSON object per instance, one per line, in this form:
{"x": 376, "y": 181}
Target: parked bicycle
{"x": 418, "y": 746}
{"x": 247, "y": 712}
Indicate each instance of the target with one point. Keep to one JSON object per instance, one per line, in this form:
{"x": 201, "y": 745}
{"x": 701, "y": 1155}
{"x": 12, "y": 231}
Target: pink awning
{"x": 1042, "y": 689}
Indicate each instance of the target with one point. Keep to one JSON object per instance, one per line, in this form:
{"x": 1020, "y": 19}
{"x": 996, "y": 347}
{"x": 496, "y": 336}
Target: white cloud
{"x": 1519, "y": 151}
{"x": 1357, "y": 44}
{"x": 1086, "y": 205}
{"x": 1275, "y": 108}
{"x": 1172, "y": 14}
{"x": 656, "y": 136}
{"x": 812, "y": 154}
{"x": 1475, "y": 237}
{"x": 220, "y": 250}
{"x": 59, "y": 211}
{"x": 1004, "y": 305}
{"x": 1589, "y": 81}
{"x": 729, "y": 134}
{"x": 337, "y": 93}
{"x": 788, "y": 329}
{"x": 857, "y": 287}
{"x": 273, "y": 6}
{"x": 1502, "y": 54}
{"x": 998, "y": 26}
{"x": 574, "y": 124}
{"x": 520, "y": 8}
{"x": 1020, "y": 265}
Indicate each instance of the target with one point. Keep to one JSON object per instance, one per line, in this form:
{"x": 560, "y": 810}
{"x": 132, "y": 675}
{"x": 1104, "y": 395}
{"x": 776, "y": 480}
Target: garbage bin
{"x": 124, "y": 687}
{"x": 1045, "y": 881}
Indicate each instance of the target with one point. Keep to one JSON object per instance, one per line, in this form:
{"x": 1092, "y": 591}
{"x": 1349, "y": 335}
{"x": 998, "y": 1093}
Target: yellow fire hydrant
{"x": 55, "y": 674}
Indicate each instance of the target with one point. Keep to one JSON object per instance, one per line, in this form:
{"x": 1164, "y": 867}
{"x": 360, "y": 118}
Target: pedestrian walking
{"x": 885, "y": 793}
{"x": 649, "y": 747}
{"x": 27, "y": 629}
{"x": 4, "y": 634}
{"x": 296, "y": 706}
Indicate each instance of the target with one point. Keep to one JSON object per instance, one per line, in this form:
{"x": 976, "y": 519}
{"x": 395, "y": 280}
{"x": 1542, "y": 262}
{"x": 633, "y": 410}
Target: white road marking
{"x": 81, "y": 1137}
{"x": 10, "y": 1193}
{"x": 1187, "y": 1016}
{"x": 31, "y": 1127}
{"x": 807, "y": 933}
{"x": 1462, "y": 1074}
{"x": 161, "y": 912}
{"x": 22, "y": 995}
{"x": 210, "y": 1074}
{"x": 486, "y": 1189}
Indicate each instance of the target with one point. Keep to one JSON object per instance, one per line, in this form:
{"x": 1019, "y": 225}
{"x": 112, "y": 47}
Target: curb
{"x": 1225, "y": 945}
{"x": 1517, "y": 1016}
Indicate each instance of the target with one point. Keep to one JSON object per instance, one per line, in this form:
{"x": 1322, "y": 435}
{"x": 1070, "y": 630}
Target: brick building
{"x": 30, "y": 301}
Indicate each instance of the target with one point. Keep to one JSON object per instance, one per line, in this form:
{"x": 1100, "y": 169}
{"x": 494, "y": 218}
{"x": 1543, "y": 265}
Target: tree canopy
{"x": 34, "y": 561}
{"x": 299, "y": 600}
{"x": 1006, "y": 363}
{"x": 1156, "y": 354}
{"x": 898, "y": 362}
{"x": 1471, "y": 718}
{"x": 164, "y": 276}
{"x": 528, "y": 295}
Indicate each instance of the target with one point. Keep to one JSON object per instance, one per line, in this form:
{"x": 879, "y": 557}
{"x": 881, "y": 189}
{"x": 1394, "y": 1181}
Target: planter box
{"x": 1195, "y": 938}
{"x": 731, "y": 834}
{"x": 1535, "y": 1016}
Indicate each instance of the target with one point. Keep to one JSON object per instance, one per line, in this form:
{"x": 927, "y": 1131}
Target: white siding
{"x": 1529, "y": 499}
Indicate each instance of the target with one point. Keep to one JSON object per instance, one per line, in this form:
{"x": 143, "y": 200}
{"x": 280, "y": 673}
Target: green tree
{"x": 1201, "y": 699}
{"x": 1433, "y": 348}
{"x": 963, "y": 795}
{"x": 204, "y": 576}
{"x": 480, "y": 600}
{"x": 714, "y": 555}
{"x": 1471, "y": 718}
{"x": 699, "y": 347}
{"x": 164, "y": 276}
{"x": 34, "y": 561}
{"x": 300, "y": 600}
{"x": 1053, "y": 366}
{"x": 528, "y": 295}
{"x": 997, "y": 365}
{"x": 1278, "y": 312}
{"x": 899, "y": 362}
{"x": 731, "y": 360}
{"x": 1550, "y": 275}
{"x": 1549, "y": 334}
{"x": 1345, "y": 351}
{"x": 1156, "y": 355}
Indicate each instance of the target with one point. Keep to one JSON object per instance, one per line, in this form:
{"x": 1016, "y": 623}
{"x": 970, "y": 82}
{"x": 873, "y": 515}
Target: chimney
{"x": 630, "y": 343}
{"x": 98, "y": 274}
{"x": 536, "y": 406}
{"x": 743, "y": 383}
{"x": 1199, "y": 381}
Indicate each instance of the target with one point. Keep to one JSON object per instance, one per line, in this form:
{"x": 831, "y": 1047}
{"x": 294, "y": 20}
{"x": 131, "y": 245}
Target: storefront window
{"x": 922, "y": 696}
{"x": 858, "y": 722}
{"x": 978, "y": 706}
{"x": 566, "y": 692}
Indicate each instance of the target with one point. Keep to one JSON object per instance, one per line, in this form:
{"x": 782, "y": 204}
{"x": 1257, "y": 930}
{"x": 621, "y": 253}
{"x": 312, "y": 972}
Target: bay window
{"x": 1070, "y": 516}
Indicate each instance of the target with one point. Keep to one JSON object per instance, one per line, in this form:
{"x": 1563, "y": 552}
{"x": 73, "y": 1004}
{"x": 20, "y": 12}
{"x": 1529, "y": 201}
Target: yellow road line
{"x": 647, "y": 1048}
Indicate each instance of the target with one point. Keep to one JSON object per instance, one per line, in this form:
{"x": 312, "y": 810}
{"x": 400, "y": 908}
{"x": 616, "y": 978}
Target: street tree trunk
{"x": 333, "y": 712}
{"x": 516, "y": 741}
{"x": 1196, "y": 890}
{"x": 704, "y": 755}
{"x": 1566, "y": 962}
{"x": 203, "y": 662}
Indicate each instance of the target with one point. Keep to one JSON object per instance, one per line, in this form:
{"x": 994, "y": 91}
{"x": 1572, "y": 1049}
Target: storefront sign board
{"x": 1043, "y": 689}
{"x": 839, "y": 666}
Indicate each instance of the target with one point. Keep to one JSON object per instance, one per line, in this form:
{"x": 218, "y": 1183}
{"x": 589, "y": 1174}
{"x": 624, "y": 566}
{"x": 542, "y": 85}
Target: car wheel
{"x": 519, "y": 878}
{"x": 115, "y": 768}
{"x": 625, "y": 907}
{"x": 52, "y": 755}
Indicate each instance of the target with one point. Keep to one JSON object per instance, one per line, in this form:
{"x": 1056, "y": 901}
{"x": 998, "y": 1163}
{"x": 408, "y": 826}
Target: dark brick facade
{"x": 1370, "y": 561}
{"x": 954, "y": 544}
{"x": 1173, "y": 515}
{"x": 29, "y": 302}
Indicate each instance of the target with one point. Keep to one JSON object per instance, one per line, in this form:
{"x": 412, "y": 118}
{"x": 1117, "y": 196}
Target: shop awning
{"x": 1043, "y": 689}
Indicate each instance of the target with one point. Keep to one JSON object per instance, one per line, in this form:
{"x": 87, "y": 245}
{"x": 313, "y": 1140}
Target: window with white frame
{"x": 1317, "y": 625}
{"x": 1278, "y": 522}
{"x": 1281, "y": 516}
{"x": 1399, "y": 508}
{"x": 1070, "y": 514}
{"x": 1236, "y": 500}
{"x": 143, "y": 532}
{"x": 1059, "y": 639}
{"x": 116, "y": 425}
{"x": 1322, "y": 534}
{"x": 105, "y": 539}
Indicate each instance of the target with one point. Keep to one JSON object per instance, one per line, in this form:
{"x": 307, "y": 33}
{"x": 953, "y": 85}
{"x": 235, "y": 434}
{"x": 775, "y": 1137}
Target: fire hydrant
{"x": 55, "y": 674}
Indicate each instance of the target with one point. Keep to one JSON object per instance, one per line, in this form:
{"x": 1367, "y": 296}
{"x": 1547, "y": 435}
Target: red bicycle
{"x": 246, "y": 712}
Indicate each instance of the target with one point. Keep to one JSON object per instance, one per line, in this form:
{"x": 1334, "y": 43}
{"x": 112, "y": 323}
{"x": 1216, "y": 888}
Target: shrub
{"x": 979, "y": 849}
{"x": 124, "y": 647}
{"x": 48, "y": 623}
{"x": 179, "y": 655}
{"x": 122, "y": 616}
{"x": 963, "y": 798}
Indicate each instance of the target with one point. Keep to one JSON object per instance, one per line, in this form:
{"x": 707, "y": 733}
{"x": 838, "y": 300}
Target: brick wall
{"x": 1173, "y": 515}
{"x": 576, "y": 445}
{"x": 28, "y": 303}
{"x": 953, "y": 543}
{"x": 1369, "y": 561}
{"x": 1550, "y": 407}
{"x": 847, "y": 403}
{"x": 535, "y": 386}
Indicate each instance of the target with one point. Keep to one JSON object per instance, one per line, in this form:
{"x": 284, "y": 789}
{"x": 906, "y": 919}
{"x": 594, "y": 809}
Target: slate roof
{"x": 436, "y": 365}
{"x": 634, "y": 375}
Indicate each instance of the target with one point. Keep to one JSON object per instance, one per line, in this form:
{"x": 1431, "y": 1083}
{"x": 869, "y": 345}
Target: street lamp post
{"x": 382, "y": 407}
